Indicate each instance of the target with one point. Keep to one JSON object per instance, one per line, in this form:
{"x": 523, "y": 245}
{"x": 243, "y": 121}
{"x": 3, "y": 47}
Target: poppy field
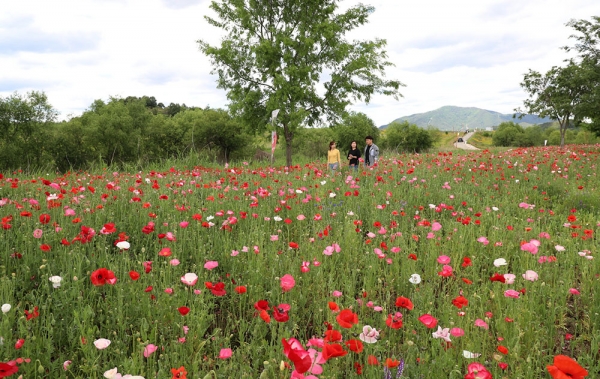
{"x": 445, "y": 265}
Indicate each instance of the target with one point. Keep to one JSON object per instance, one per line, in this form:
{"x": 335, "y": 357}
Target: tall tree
{"x": 587, "y": 46}
{"x": 24, "y": 123}
{"x": 556, "y": 94}
{"x": 292, "y": 55}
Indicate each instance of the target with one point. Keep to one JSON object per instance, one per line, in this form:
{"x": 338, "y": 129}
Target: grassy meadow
{"x": 419, "y": 268}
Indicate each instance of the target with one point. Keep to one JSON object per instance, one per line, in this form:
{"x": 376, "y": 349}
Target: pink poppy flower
{"x": 287, "y": 282}
{"x": 189, "y": 279}
{"x": 509, "y": 278}
{"x": 174, "y": 262}
{"x": 530, "y": 275}
{"x": 274, "y": 238}
{"x": 225, "y": 353}
{"x": 574, "y": 291}
{"x": 436, "y": 226}
{"x": 211, "y": 264}
{"x": 529, "y": 247}
{"x": 443, "y": 259}
{"x": 38, "y": 233}
{"x": 483, "y": 240}
{"x": 66, "y": 365}
{"x": 149, "y": 349}
{"x": 511, "y": 293}
{"x": 482, "y": 324}
{"x": 300, "y": 217}
{"x": 183, "y": 224}
{"x": 457, "y": 332}
{"x": 336, "y": 294}
{"x": 101, "y": 343}
{"x": 428, "y": 320}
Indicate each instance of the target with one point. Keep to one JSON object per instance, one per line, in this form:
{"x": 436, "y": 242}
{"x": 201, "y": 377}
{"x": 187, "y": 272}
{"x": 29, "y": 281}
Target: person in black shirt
{"x": 353, "y": 155}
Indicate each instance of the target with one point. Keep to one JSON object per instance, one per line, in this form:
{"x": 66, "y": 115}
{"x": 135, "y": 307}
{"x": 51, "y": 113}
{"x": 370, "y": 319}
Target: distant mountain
{"x": 460, "y": 118}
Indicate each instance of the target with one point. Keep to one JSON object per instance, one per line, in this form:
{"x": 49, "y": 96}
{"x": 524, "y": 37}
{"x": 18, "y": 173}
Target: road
{"x": 465, "y": 145}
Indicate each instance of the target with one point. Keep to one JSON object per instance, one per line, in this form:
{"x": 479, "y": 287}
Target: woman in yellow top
{"x": 333, "y": 157}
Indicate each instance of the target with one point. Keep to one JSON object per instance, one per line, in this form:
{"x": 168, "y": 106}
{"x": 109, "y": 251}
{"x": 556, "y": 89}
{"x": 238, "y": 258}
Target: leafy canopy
{"x": 292, "y": 55}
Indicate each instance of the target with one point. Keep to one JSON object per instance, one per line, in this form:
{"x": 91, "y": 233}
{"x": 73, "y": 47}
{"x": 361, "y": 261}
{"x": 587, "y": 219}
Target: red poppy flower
{"x": 428, "y": 320}
{"x": 333, "y": 306}
{"x": 333, "y": 350}
{"x": 293, "y": 245}
{"x": 147, "y": 266}
{"x": 498, "y": 278}
{"x": 32, "y": 315}
{"x": 332, "y": 335}
{"x": 394, "y": 322}
{"x": 134, "y": 275}
{"x": 355, "y": 345}
{"x": 566, "y": 368}
{"x": 240, "y": 289}
{"x": 8, "y": 369}
{"x": 183, "y": 310}
{"x": 44, "y": 218}
{"x": 102, "y": 276}
{"x": 297, "y": 354}
{"x": 346, "y": 318}
{"x": 261, "y": 305}
{"x": 280, "y": 315}
{"x": 460, "y": 302}
{"x": 467, "y": 262}
{"x": 372, "y": 360}
{"x": 45, "y": 248}
{"x": 391, "y": 363}
{"x": 404, "y": 302}
{"x": 179, "y": 373}
{"x": 265, "y": 316}
{"x": 503, "y": 349}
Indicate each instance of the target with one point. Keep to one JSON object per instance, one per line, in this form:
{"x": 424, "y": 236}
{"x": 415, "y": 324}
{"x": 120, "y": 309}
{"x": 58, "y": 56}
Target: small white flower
{"x": 298, "y": 191}
{"x": 52, "y": 196}
{"x": 55, "y": 280}
{"x": 469, "y": 355}
{"x": 495, "y": 208}
{"x": 332, "y": 194}
{"x": 323, "y": 182}
{"x": 277, "y": 218}
{"x": 500, "y": 262}
{"x": 6, "y": 308}
{"x": 415, "y": 279}
{"x": 123, "y": 245}
{"x": 101, "y": 343}
{"x": 210, "y": 218}
{"x": 350, "y": 213}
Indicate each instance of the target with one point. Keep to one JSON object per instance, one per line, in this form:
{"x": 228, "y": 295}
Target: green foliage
{"x": 406, "y": 137}
{"x": 274, "y": 54}
{"x": 354, "y": 127}
{"x": 24, "y": 122}
{"x": 313, "y": 143}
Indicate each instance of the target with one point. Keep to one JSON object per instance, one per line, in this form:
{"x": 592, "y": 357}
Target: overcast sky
{"x": 469, "y": 53}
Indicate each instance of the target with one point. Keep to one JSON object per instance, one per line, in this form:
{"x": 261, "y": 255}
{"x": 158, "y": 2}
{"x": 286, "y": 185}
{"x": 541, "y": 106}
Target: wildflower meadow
{"x": 472, "y": 264}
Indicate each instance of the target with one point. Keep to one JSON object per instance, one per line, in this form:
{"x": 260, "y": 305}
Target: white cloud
{"x": 464, "y": 53}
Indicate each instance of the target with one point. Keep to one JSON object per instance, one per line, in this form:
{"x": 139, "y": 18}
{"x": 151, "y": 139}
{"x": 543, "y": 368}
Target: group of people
{"x": 370, "y": 153}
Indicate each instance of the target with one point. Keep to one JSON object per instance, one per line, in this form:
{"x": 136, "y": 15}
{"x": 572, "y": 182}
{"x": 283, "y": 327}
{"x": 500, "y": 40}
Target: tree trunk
{"x": 288, "y": 134}
{"x": 563, "y": 130}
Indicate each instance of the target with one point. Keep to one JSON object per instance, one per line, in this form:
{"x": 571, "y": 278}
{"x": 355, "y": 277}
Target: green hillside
{"x": 460, "y": 118}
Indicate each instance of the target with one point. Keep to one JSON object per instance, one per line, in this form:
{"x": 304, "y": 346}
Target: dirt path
{"x": 464, "y": 145}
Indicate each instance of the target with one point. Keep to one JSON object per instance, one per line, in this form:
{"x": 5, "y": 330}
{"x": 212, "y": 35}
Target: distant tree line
{"x": 140, "y": 130}
{"x": 113, "y": 132}
{"x": 511, "y": 134}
